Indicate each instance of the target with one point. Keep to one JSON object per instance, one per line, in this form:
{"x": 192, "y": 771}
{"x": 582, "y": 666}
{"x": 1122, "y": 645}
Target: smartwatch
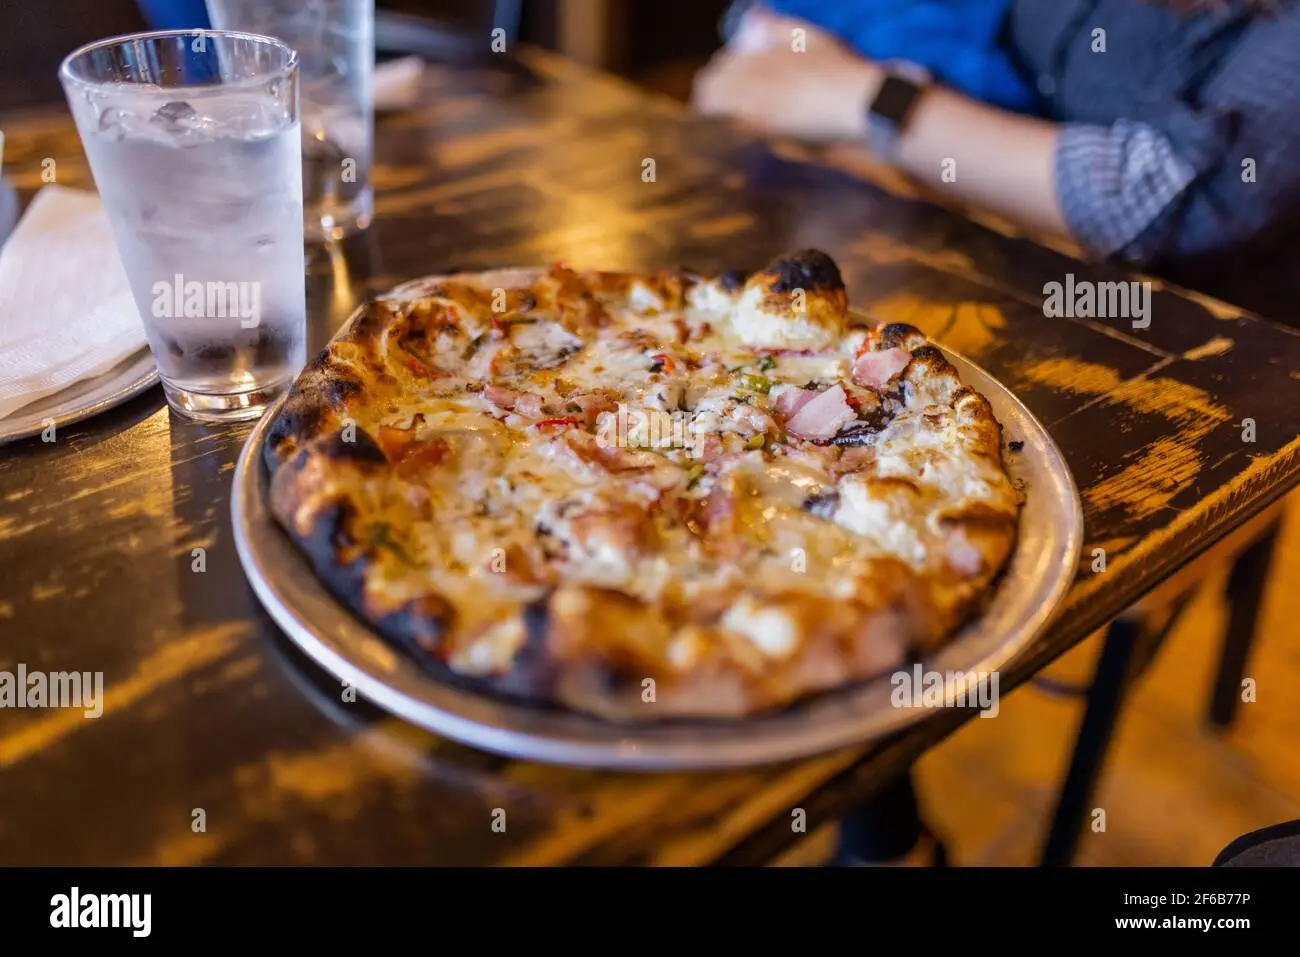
{"x": 890, "y": 108}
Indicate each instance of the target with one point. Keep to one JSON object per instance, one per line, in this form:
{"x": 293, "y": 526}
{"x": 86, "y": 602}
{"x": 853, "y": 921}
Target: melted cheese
{"x": 770, "y": 630}
{"x": 754, "y": 324}
{"x": 695, "y": 516}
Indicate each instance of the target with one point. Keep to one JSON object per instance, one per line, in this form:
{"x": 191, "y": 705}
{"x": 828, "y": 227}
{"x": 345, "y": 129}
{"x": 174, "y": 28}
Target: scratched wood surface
{"x": 208, "y": 707}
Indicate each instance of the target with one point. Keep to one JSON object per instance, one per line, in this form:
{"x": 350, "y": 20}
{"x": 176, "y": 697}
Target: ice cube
{"x": 177, "y": 117}
{"x": 121, "y": 121}
{"x": 115, "y": 123}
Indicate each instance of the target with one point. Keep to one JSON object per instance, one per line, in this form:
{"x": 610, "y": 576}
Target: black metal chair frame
{"x": 1130, "y": 645}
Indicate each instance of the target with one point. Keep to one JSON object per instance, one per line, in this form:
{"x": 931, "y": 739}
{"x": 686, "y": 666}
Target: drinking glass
{"x": 192, "y": 137}
{"x": 335, "y": 43}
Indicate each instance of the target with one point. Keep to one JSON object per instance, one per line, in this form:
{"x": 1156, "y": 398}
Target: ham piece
{"x": 875, "y": 369}
{"x": 791, "y": 399}
{"x": 822, "y": 416}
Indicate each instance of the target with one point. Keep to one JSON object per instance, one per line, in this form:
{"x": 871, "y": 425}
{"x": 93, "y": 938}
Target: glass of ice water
{"x": 193, "y": 140}
{"x": 335, "y": 42}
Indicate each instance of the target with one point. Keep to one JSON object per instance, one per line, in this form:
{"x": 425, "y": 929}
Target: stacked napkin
{"x": 66, "y": 311}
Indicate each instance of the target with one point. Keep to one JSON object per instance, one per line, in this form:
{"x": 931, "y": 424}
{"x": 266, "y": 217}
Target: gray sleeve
{"x": 1201, "y": 178}
{"x": 1115, "y": 182}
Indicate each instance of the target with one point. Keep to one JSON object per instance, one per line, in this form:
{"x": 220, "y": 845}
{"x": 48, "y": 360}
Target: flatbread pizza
{"x": 644, "y": 496}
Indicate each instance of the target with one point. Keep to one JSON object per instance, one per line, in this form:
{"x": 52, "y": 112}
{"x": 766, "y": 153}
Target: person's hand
{"x": 814, "y": 89}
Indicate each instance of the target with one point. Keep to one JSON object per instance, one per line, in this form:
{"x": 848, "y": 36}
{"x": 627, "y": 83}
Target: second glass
{"x": 334, "y": 40}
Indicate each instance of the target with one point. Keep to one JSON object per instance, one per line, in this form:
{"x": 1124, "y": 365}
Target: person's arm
{"x": 985, "y": 157}
{"x": 1002, "y": 161}
{"x": 1178, "y": 186}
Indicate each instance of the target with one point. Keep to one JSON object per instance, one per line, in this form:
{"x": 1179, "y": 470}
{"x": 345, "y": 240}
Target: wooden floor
{"x": 1174, "y": 791}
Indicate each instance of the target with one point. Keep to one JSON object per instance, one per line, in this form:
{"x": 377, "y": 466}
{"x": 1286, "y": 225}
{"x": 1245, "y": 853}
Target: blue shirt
{"x": 175, "y": 14}
{"x": 958, "y": 41}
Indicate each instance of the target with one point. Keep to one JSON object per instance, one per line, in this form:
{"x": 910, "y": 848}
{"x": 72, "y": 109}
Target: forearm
{"x": 985, "y": 157}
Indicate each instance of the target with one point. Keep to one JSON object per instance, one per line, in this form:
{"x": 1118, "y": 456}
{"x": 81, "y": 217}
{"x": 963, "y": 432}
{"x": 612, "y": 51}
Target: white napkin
{"x": 66, "y": 311}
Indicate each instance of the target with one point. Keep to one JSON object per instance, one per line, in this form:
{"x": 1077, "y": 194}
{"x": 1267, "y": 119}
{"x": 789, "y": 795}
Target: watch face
{"x": 894, "y": 101}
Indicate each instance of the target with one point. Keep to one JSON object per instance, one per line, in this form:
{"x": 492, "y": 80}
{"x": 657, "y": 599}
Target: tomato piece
{"x": 426, "y": 452}
{"x": 567, "y": 420}
{"x": 666, "y": 360}
{"x": 420, "y": 368}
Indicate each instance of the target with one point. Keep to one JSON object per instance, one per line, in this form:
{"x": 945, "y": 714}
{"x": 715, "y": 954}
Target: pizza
{"x": 644, "y": 496}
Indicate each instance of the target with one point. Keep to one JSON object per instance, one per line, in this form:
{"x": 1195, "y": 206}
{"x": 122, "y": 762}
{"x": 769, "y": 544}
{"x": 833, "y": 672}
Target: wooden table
{"x": 207, "y": 706}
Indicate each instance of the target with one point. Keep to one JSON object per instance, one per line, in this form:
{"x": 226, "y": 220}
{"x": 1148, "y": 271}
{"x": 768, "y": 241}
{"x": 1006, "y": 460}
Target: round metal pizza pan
{"x": 1026, "y": 596}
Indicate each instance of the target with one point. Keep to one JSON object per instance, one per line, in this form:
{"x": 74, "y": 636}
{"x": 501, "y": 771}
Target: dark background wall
{"x": 660, "y": 35}
{"x": 35, "y": 35}
{"x": 663, "y": 31}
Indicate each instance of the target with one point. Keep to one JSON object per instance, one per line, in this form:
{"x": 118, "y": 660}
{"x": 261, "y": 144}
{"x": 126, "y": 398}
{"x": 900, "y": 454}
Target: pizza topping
{"x": 501, "y": 397}
{"x": 790, "y": 398}
{"x": 530, "y": 404}
{"x": 547, "y": 425}
{"x": 664, "y": 396}
{"x": 394, "y": 441}
{"x": 752, "y": 382}
{"x": 425, "y": 453}
{"x": 707, "y": 449}
{"x": 880, "y": 511}
{"x": 537, "y": 345}
{"x": 591, "y": 405}
{"x": 609, "y": 539}
{"x": 860, "y": 433}
{"x": 641, "y": 298}
{"x": 420, "y": 368}
{"x": 512, "y": 400}
{"x": 586, "y": 457}
{"x": 875, "y": 369}
{"x": 823, "y": 503}
{"x": 724, "y": 417}
{"x": 783, "y": 480}
{"x": 823, "y": 416}
{"x": 663, "y": 362}
{"x": 519, "y": 565}
{"x": 855, "y": 459}
{"x": 769, "y": 629}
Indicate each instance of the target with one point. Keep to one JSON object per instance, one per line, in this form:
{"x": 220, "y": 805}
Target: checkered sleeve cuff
{"x": 1115, "y": 183}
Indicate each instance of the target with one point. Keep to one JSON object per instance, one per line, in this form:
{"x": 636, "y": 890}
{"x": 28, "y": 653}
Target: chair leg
{"x": 1104, "y": 699}
{"x": 884, "y": 827}
{"x": 1245, "y": 594}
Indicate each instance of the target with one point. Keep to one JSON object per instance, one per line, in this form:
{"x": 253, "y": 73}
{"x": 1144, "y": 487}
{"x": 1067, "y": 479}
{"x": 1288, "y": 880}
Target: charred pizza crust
{"x": 644, "y": 496}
